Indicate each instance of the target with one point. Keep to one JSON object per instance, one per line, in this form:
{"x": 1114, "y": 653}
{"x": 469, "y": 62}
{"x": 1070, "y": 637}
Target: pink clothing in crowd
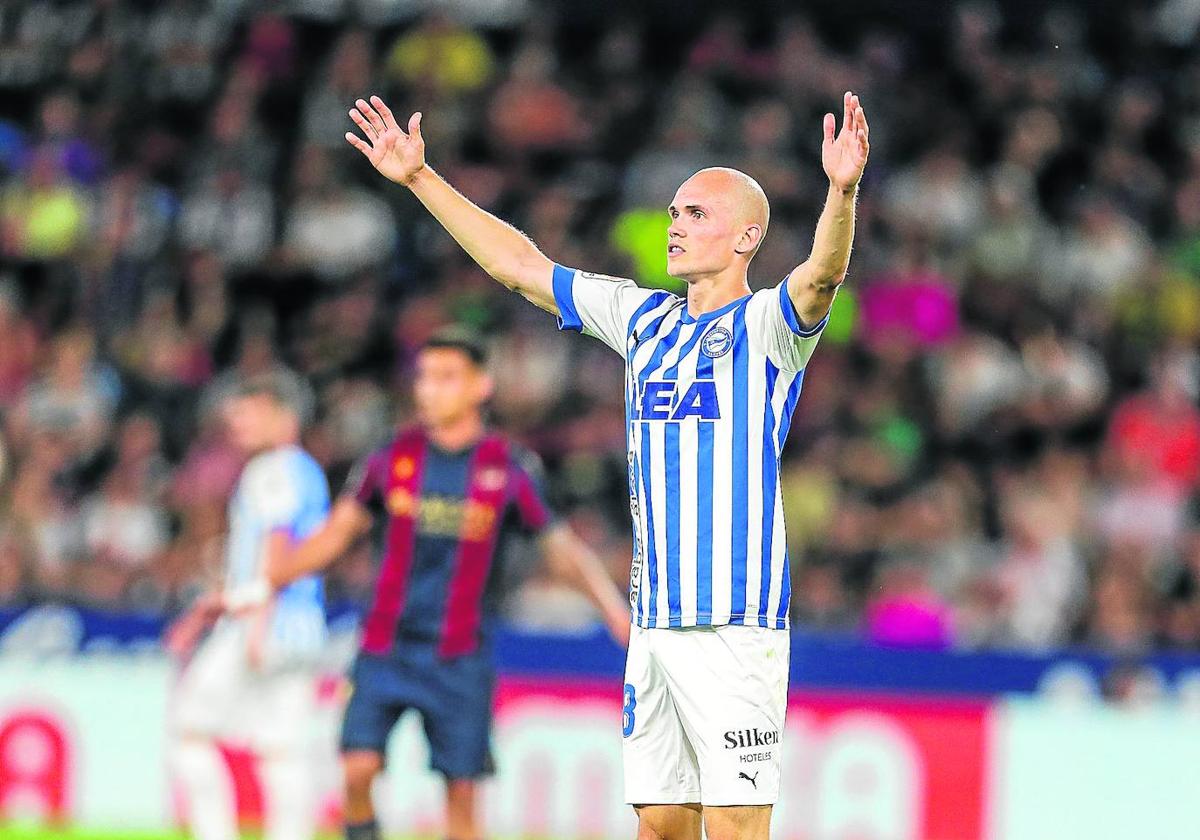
{"x": 919, "y": 309}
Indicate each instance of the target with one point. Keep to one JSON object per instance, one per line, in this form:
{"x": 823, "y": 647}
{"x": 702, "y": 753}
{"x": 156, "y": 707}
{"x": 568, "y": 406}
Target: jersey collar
{"x": 716, "y": 313}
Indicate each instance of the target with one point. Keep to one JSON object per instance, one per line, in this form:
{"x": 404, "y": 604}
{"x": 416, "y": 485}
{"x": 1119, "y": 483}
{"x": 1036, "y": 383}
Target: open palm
{"x": 397, "y": 155}
{"x": 845, "y": 155}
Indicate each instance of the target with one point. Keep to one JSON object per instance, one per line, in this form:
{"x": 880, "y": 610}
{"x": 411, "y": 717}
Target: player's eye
{"x": 698, "y": 214}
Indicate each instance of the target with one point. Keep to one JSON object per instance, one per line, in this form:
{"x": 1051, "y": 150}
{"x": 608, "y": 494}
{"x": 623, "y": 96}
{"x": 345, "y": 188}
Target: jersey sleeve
{"x": 275, "y": 496}
{"x": 601, "y": 306}
{"x": 365, "y": 483}
{"x": 529, "y": 492}
{"x": 314, "y": 489}
{"x": 774, "y": 325}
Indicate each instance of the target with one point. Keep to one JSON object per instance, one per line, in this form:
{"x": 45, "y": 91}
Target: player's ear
{"x": 749, "y": 241}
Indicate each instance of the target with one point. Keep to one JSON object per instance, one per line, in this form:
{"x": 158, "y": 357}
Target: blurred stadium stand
{"x": 998, "y": 443}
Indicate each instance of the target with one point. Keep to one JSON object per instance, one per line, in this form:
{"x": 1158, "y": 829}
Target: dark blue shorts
{"x": 454, "y": 697}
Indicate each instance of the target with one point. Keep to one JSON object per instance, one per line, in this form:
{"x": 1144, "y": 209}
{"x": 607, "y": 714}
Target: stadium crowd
{"x": 998, "y": 443}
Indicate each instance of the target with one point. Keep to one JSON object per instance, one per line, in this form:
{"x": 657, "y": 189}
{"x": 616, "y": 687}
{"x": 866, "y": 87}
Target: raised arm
{"x": 346, "y": 523}
{"x": 813, "y": 284}
{"x": 500, "y": 249}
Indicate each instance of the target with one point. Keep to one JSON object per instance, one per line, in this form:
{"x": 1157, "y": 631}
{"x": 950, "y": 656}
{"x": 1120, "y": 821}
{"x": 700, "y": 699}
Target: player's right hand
{"x": 618, "y": 624}
{"x": 398, "y": 155}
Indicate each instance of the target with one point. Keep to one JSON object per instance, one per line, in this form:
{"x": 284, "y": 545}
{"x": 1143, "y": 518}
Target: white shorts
{"x": 220, "y": 696}
{"x": 703, "y": 716}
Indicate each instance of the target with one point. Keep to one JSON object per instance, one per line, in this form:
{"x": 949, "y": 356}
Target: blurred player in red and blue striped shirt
{"x": 449, "y": 492}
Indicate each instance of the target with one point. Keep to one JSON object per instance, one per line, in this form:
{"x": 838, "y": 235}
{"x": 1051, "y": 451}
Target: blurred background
{"x": 991, "y": 480}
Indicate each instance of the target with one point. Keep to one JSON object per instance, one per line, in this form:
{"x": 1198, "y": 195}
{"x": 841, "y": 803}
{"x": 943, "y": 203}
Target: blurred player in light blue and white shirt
{"x": 252, "y": 680}
{"x": 282, "y": 496}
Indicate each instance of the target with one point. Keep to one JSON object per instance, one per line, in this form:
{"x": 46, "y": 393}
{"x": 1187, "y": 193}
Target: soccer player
{"x": 252, "y": 681}
{"x": 711, "y": 382}
{"x": 450, "y": 493}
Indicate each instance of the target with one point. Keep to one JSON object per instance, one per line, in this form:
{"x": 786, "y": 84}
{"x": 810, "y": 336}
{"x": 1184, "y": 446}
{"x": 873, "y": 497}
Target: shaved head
{"x": 719, "y": 217}
{"x": 745, "y": 195}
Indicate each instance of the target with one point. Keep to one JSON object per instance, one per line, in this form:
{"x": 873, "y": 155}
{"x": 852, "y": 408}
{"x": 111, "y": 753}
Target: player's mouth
{"x": 673, "y": 250}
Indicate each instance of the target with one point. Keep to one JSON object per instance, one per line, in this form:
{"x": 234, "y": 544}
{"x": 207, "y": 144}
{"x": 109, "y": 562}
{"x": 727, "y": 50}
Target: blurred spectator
{"x": 1120, "y": 619}
{"x": 18, "y": 348}
{"x": 331, "y": 229}
{"x": 1100, "y": 254}
{"x": 134, "y": 217}
{"x": 1065, "y": 380}
{"x": 347, "y": 77}
{"x": 1011, "y": 235}
{"x": 939, "y": 196}
{"x": 439, "y": 57}
{"x": 974, "y": 377}
{"x": 821, "y": 601}
{"x": 73, "y": 399}
{"x": 62, "y": 142}
{"x": 270, "y": 48}
{"x": 44, "y": 217}
{"x": 1040, "y": 573}
{"x": 911, "y": 306}
{"x": 530, "y": 111}
{"x": 15, "y": 586}
{"x": 1157, "y": 433}
{"x": 904, "y": 611}
{"x": 183, "y": 39}
{"x": 230, "y": 216}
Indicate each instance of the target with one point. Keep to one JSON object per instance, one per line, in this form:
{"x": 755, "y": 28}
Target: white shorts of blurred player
{"x": 704, "y": 713}
{"x": 220, "y": 696}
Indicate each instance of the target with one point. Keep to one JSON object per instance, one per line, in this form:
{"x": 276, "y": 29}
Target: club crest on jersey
{"x": 404, "y": 467}
{"x": 716, "y": 342}
{"x": 492, "y": 478}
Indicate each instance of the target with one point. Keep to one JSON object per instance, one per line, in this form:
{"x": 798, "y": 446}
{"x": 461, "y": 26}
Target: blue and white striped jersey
{"x": 708, "y": 403}
{"x": 283, "y": 489}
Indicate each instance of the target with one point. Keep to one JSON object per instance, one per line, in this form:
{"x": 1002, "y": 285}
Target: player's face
{"x": 252, "y": 421}
{"x": 703, "y": 231}
{"x": 449, "y": 386}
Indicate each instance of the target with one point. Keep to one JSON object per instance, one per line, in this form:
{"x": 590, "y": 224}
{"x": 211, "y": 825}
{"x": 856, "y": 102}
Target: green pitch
{"x": 15, "y": 833}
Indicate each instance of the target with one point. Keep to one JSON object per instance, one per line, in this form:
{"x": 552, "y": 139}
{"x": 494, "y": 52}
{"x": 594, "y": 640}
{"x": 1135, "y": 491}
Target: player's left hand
{"x": 181, "y": 637}
{"x": 210, "y": 605}
{"x": 845, "y": 156}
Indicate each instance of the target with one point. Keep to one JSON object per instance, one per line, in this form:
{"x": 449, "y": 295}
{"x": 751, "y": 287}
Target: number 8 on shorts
{"x": 627, "y": 718}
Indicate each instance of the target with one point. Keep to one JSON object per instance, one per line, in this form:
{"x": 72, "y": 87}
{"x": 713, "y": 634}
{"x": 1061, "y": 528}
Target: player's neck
{"x": 456, "y": 436}
{"x": 711, "y": 292}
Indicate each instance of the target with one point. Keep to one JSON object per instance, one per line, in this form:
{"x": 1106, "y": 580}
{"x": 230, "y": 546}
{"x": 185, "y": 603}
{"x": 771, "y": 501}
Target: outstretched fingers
{"x": 862, "y": 134}
{"x": 830, "y": 125}
{"x": 358, "y": 143}
{"x": 371, "y": 114}
{"x": 364, "y": 124}
{"x": 389, "y": 119}
{"x": 847, "y": 110}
